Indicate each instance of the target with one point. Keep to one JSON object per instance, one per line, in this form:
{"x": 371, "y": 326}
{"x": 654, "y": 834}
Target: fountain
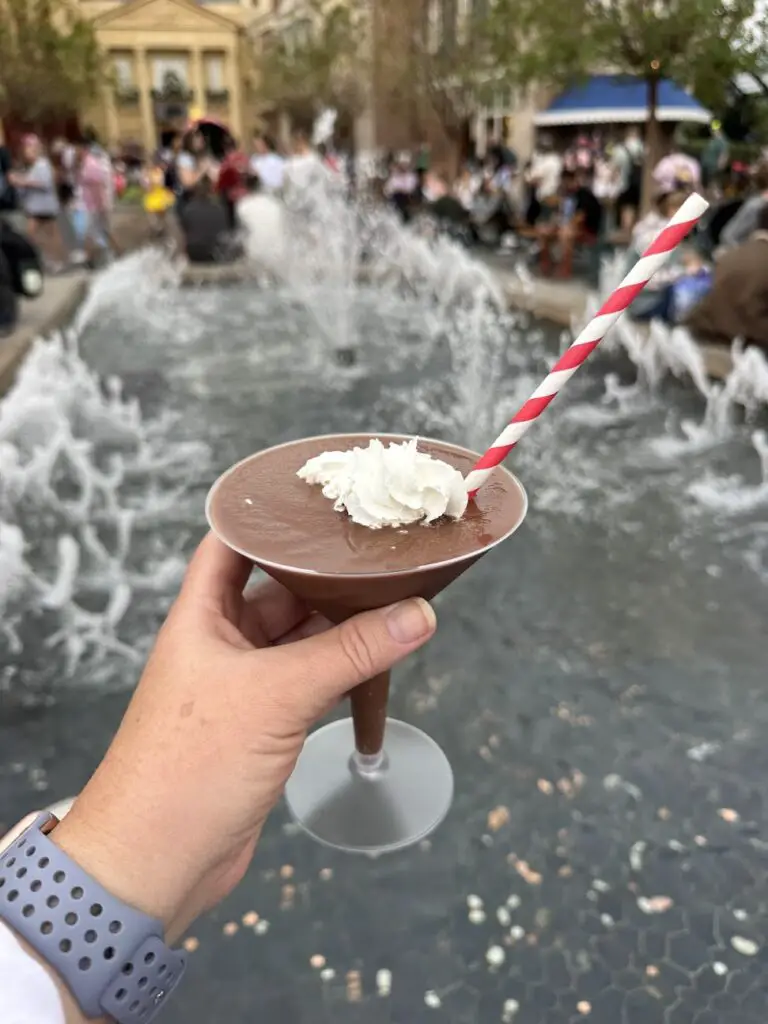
{"x": 603, "y": 677}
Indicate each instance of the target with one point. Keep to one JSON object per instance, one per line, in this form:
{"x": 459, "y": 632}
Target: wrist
{"x": 119, "y": 966}
{"x": 127, "y": 867}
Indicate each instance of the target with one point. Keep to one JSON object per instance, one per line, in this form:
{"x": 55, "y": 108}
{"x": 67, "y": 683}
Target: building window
{"x": 214, "y": 72}
{"x": 122, "y": 69}
{"x": 434, "y": 25}
{"x": 165, "y": 69}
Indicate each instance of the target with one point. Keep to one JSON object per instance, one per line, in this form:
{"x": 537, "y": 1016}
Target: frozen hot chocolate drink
{"x": 297, "y": 507}
{"x": 352, "y": 522}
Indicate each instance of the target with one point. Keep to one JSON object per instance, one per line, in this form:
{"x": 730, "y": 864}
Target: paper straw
{"x": 654, "y": 257}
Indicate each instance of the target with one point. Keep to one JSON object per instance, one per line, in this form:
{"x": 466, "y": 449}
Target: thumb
{"x": 318, "y": 671}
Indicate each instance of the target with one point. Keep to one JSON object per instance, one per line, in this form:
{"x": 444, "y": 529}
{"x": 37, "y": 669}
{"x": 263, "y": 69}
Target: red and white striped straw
{"x": 654, "y": 257}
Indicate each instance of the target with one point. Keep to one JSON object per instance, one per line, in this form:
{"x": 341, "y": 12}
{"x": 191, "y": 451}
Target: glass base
{"x": 373, "y": 808}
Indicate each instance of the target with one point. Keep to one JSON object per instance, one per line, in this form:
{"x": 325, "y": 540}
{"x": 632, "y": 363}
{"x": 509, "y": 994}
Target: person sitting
{"x": 744, "y": 221}
{"x": 694, "y": 282}
{"x": 665, "y": 206}
{"x": 445, "y": 209}
{"x": 653, "y": 302}
{"x": 737, "y": 305}
{"x": 579, "y": 223}
{"x": 401, "y": 187}
{"x": 204, "y": 225}
{"x": 465, "y": 187}
{"x": 677, "y": 172}
{"x": 262, "y": 220}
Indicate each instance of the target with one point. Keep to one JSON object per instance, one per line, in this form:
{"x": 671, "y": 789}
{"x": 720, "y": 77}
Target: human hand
{"x": 170, "y": 820}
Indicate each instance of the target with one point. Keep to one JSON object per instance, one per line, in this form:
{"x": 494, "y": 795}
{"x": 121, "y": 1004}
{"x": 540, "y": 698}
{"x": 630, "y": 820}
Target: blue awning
{"x": 620, "y": 99}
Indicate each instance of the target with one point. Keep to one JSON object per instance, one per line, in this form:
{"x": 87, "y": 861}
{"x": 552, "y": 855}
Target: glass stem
{"x": 369, "y": 715}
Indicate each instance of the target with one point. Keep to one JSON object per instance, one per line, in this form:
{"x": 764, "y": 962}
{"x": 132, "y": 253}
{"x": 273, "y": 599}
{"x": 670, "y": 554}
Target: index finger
{"x": 216, "y": 578}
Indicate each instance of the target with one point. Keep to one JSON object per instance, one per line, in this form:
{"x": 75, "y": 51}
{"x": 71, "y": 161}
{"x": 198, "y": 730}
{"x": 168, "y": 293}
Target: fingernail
{"x": 410, "y": 620}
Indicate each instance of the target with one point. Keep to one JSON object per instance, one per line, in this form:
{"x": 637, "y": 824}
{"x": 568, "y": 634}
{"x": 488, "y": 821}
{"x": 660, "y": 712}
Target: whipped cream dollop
{"x": 388, "y": 486}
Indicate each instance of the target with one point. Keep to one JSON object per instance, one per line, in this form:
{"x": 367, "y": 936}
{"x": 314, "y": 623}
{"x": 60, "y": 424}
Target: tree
{"x": 49, "y": 59}
{"x": 317, "y": 62}
{"x": 698, "y": 43}
{"x": 436, "y": 55}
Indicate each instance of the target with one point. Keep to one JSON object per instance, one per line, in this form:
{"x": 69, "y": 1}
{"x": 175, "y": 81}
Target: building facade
{"x": 394, "y": 116}
{"x": 175, "y": 60}
{"x": 172, "y": 61}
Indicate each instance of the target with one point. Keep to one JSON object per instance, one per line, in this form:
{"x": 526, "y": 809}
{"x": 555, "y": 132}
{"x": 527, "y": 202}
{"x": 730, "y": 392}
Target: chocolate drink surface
{"x": 263, "y": 509}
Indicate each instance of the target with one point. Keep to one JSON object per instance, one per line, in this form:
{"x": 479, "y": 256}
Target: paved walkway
{"x": 55, "y": 307}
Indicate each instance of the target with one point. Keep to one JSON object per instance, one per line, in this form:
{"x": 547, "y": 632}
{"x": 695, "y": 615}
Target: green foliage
{"x": 700, "y": 43}
{"x": 49, "y": 59}
{"x": 317, "y": 62}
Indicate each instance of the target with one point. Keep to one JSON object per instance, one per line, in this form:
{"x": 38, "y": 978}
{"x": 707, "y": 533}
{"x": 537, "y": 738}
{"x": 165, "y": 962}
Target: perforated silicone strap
{"x": 111, "y": 956}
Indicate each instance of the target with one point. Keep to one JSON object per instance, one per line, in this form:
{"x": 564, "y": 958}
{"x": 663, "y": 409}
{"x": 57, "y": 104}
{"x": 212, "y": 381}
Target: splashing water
{"x": 100, "y": 496}
{"x": 84, "y": 481}
{"x": 320, "y": 246}
{"x": 658, "y": 352}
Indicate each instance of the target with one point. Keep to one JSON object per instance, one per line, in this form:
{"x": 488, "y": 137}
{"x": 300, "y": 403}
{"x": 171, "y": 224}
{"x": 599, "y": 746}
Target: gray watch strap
{"x": 111, "y": 956}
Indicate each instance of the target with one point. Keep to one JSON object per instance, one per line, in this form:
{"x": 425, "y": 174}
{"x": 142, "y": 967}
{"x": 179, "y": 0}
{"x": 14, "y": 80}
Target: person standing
{"x": 231, "y": 180}
{"x": 9, "y": 199}
{"x": 543, "y": 175}
{"x": 39, "y": 200}
{"x": 423, "y": 162}
{"x": 95, "y": 193}
{"x": 627, "y": 157}
{"x": 9, "y": 305}
{"x": 714, "y": 158}
{"x": 267, "y": 164}
{"x": 305, "y": 173}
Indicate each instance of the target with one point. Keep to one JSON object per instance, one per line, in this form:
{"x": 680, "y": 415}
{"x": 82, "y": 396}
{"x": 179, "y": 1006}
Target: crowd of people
{"x": 583, "y": 196}
{"x": 56, "y": 203}
{"x": 588, "y": 186}
{"x": 64, "y": 193}
{"x": 587, "y": 196}
{"x": 190, "y": 189}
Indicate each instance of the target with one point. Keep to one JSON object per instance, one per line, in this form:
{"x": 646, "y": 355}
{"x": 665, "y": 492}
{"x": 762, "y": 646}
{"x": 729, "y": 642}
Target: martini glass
{"x": 369, "y": 783}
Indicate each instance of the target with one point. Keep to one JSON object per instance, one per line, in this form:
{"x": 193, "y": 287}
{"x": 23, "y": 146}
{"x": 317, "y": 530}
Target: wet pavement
{"x": 599, "y": 686}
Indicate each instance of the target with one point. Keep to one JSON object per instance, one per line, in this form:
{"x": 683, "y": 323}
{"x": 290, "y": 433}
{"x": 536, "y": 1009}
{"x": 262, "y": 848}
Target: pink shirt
{"x": 95, "y": 183}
